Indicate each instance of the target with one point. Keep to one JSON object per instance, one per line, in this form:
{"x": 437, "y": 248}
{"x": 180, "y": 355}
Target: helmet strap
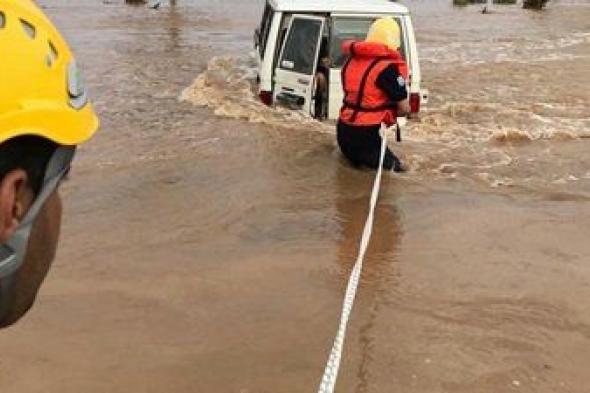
{"x": 13, "y": 252}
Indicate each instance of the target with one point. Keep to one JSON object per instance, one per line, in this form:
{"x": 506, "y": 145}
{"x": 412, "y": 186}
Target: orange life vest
{"x": 365, "y": 104}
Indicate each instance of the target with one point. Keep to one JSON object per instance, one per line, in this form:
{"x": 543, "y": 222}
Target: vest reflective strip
{"x": 380, "y": 108}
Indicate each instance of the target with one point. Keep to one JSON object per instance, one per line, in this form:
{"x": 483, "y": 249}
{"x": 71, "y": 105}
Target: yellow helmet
{"x": 385, "y": 31}
{"x": 41, "y": 91}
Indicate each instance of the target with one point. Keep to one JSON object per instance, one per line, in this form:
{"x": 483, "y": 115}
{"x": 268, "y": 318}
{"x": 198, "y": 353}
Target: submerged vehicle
{"x": 299, "y": 40}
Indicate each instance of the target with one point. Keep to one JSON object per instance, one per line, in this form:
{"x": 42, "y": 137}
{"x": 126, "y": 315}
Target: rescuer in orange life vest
{"x": 374, "y": 80}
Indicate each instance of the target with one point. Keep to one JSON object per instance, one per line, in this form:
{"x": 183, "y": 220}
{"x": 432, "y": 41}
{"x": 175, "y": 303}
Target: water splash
{"x": 227, "y": 87}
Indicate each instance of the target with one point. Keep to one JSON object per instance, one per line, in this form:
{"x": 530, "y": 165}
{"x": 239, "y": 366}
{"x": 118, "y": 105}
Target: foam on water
{"x": 227, "y": 88}
{"x": 519, "y": 50}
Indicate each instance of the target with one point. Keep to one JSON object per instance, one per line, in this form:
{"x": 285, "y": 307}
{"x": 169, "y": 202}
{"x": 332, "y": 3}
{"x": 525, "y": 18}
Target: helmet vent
{"x": 52, "y": 50}
{"x": 28, "y": 28}
{"x": 2, "y": 20}
{"x": 52, "y": 55}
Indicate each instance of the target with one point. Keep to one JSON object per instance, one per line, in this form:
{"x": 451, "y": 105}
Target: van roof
{"x": 343, "y": 6}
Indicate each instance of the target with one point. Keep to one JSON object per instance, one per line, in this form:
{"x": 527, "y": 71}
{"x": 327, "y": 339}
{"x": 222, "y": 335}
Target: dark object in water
{"x": 534, "y": 4}
{"x": 468, "y": 2}
{"x": 154, "y": 4}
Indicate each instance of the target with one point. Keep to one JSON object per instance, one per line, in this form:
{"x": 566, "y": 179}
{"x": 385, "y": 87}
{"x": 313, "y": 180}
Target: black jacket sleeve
{"x": 393, "y": 84}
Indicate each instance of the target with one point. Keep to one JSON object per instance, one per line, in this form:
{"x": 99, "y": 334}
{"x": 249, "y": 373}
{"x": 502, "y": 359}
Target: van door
{"x": 296, "y": 69}
{"x": 261, "y": 33}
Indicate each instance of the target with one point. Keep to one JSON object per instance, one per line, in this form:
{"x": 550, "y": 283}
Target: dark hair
{"x": 29, "y": 153}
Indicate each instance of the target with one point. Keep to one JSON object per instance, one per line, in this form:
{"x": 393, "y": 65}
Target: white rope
{"x": 331, "y": 373}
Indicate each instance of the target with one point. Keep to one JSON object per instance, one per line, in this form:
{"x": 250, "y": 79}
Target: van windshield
{"x": 344, "y": 29}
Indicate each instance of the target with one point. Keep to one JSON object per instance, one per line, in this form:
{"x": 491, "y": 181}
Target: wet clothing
{"x": 361, "y": 145}
{"x": 321, "y": 94}
{"x": 374, "y": 82}
{"x": 389, "y": 81}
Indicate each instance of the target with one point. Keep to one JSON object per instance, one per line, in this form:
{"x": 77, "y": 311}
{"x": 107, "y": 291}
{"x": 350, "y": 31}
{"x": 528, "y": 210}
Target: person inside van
{"x": 374, "y": 81}
{"x": 321, "y": 81}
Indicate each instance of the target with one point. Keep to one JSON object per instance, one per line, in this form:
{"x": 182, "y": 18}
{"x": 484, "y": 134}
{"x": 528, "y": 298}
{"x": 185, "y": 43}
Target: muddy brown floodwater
{"x": 207, "y": 240}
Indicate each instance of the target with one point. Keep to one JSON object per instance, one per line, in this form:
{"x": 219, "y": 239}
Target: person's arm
{"x": 404, "y": 109}
{"x": 394, "y": 85}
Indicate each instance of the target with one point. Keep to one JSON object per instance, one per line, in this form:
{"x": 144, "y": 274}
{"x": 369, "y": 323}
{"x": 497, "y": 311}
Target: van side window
{"x": 285, "y": 23}
{"x": 265, "y": 24}
{"x": 301, "y": 46}
{"x": 344, "y": 29}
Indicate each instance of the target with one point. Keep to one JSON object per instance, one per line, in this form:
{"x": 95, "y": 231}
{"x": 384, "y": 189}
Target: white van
{"x": 292, "y": 34}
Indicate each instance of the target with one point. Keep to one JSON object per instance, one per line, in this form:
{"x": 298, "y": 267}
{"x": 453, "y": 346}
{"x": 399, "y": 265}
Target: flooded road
{"x": 207, "y": 240}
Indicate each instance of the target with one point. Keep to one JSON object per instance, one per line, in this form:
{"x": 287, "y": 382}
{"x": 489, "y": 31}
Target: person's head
{"x": 44, "y": 115}
{"x": 385, "y": 31}
{"x": 324, "y": 57}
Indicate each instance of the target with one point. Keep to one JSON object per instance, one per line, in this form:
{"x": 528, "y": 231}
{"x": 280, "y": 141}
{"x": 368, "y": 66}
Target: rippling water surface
{"x": 208, "y": 239}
